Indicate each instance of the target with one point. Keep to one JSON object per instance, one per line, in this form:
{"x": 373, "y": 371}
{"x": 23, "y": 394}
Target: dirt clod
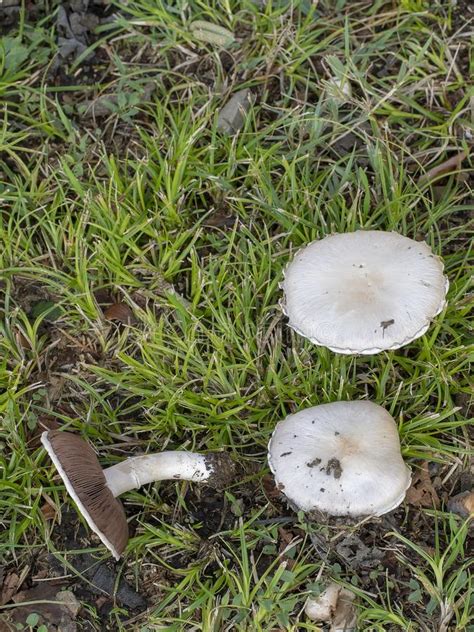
{"x": 224, "y": 470}
{"x": 333, "y": 468}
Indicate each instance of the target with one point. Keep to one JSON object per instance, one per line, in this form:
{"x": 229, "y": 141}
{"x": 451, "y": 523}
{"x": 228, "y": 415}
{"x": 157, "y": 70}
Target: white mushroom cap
{"x": 342, "y": 459}
{"x": 364, "y": 292}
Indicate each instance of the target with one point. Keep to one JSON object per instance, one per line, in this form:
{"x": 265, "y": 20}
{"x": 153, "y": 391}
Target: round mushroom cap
{"x": 342, "y": 459}
{"x": 82, "y": 474}
{"x": 364, "y": 292}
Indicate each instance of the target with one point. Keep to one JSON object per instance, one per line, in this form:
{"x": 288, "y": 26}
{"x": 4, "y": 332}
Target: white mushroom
{"x": 323, "y": 607}
{"x": 334, "y": 605}
{"x": 364, "y": 292}
{"x": 95, "y": 490}
{"x": 341, "y": 458}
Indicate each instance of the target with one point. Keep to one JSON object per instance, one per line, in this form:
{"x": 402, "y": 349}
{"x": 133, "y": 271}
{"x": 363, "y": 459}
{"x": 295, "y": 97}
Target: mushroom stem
{"x": 140, "y": 470}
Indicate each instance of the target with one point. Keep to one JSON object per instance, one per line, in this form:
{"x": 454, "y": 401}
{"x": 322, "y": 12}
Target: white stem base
{"x": 140, "y": 470}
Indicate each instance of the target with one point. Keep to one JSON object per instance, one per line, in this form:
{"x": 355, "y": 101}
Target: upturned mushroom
{"x": 95, "y": 490}
{"x": 341, "y": 459}
{"x": 363, "y": 292}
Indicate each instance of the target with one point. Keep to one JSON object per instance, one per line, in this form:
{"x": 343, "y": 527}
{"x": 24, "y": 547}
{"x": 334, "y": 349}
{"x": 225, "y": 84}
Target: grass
{"x": 191, "y": 229}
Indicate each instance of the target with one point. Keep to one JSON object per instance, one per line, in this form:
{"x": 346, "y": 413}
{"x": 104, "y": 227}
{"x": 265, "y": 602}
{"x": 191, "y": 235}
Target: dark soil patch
{"x": 98, "y": 584}
{"x": 462, "y": 15}
{"x": 369, "y": 551}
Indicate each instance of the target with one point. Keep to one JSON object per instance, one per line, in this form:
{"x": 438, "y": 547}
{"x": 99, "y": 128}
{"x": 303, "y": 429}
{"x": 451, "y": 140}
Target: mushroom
{"x": 364, "y": 292}
{"x": 95, "y": 490}
{"x": 322, "y": 608}
{"x": 342, "y": 459}
{"x": 334, "y": 605}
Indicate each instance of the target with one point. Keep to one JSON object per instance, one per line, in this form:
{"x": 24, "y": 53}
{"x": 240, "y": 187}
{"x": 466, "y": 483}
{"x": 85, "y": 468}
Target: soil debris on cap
{"x": 334, "y": 467}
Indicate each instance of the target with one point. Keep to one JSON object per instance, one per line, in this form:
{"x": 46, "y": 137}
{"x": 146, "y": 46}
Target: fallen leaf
{"x": 120, "y": 312}
{"x": 45, "y": 422}
{"x": 10, "y": 587}
{"x": 232, "y": 116}
{"x": 272, "y": 492}
{"x": 106, "y": 581}
{"x": 49, "y": 511}
{"x": 220, "y": 219}
{"x": 101, "y": 579}
{"x": 22, "y": 340}
{"x": 56, "y": 609}
{"x": 356, "y": 553}
{"x": 462, "y": 504}
{"x": 449, "y": 165}
{"x": 71, "y": 37}
{"x": 211, "y": 33}
{"x": 422, "y": 492}
{"x": 286, "y": 538}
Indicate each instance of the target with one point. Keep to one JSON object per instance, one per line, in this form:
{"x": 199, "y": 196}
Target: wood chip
{"x": 449, "y": 165}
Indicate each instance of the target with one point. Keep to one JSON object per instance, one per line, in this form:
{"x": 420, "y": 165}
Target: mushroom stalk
{"x": 95, "y": 490}
{"x": 140, "y": 470}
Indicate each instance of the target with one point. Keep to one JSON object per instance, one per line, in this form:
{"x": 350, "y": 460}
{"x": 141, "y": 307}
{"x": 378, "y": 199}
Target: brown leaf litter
{"x": 445, "y": 167}
{"x": 422, "y": 492}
